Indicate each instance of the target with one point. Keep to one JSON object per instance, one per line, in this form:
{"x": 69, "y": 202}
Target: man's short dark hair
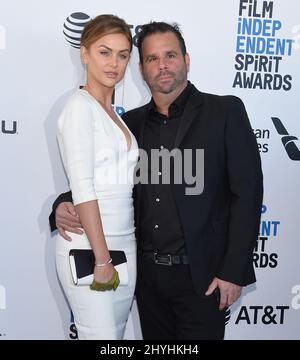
{"x": 159, "y": 28}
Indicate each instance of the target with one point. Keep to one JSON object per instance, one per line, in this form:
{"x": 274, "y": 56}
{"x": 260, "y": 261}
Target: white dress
{"x": 99, "y": 167}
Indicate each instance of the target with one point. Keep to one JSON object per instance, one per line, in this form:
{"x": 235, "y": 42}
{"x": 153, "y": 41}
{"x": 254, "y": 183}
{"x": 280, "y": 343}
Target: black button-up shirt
{"x": 160, "y": 227}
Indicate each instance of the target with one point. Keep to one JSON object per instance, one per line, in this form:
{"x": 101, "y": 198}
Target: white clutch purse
{"x": 82, "y": 263}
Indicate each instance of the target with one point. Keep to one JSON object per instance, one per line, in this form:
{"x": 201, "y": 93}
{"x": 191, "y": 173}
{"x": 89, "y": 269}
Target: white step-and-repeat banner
{"x": 247, "y": 48}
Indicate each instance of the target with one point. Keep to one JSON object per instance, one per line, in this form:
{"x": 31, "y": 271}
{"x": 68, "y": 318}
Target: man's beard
{"x": 177, "y": 80}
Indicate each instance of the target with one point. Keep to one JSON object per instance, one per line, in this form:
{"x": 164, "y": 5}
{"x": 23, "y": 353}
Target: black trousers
{"x": 169, "y": 307}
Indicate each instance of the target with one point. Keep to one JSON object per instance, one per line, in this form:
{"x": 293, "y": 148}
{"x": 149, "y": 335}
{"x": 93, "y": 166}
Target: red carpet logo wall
{"x": 254, "y": 45}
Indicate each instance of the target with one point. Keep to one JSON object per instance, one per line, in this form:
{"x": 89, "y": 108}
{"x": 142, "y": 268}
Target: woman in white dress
{"x": 99, "y": 155}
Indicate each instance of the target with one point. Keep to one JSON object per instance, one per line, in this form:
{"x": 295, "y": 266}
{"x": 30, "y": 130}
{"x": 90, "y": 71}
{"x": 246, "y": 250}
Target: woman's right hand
{"x": 103, "y": 274}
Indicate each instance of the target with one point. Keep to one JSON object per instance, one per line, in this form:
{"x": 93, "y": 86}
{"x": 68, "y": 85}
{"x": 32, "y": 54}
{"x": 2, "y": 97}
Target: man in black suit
{"x": 194, "y": 250}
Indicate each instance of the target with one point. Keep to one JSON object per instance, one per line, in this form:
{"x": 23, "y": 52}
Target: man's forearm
{"x": 64, "y": 197}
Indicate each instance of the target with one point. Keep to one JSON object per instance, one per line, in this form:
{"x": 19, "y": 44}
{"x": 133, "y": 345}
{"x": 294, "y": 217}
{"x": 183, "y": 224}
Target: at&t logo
{"x": 73, "y": 27}
{"x": 262, "y": 314}
{"x": 75, "y": 23}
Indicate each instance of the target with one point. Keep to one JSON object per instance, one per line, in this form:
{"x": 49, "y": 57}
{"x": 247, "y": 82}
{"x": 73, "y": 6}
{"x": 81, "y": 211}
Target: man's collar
{"x": 177, "y": 106}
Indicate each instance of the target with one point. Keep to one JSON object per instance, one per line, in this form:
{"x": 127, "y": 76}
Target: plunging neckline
{"x": 128, "y": 144}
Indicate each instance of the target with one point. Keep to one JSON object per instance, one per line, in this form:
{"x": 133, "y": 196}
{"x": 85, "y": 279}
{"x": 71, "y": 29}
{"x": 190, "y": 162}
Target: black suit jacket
{"x": 221, "y": 224}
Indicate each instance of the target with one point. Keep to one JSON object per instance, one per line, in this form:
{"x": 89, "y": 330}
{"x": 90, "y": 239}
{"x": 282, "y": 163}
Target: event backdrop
{"x": 247, "y": 48}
